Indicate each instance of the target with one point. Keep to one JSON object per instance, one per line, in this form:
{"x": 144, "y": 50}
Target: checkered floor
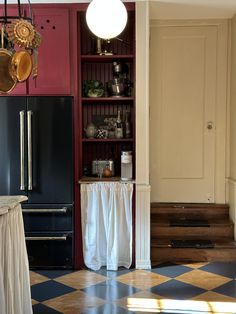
{"x": 167, "y": 288}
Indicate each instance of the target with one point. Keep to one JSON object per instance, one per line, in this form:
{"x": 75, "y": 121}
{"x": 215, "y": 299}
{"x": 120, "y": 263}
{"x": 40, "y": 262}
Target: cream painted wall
{"x": 233, "y": 101}
{"x": 232, "y": 129}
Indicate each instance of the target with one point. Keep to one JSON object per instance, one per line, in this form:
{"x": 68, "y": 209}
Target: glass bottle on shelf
{"x": 127, "y": 125}
{"x": 119, "y": 126}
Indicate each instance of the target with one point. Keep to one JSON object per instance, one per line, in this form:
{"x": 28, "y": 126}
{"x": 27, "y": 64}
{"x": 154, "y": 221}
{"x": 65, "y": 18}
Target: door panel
{"x": 10, "y": 108}
{"x": 183, "y": 97}
{"x": 51, "y": 150}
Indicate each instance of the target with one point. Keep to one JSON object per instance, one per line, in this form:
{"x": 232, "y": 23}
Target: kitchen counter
{"x": 14, "y": 269}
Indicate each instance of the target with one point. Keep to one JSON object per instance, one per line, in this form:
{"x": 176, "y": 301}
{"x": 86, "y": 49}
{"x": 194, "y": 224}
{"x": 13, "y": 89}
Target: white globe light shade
{"x": 106, "y": 18}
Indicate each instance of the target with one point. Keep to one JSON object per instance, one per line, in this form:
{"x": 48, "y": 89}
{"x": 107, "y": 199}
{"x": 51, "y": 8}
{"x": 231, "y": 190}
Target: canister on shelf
{"x": 126, "y": 165}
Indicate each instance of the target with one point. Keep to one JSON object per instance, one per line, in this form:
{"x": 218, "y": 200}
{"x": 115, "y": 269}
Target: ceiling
{"x": 192, "y": 9}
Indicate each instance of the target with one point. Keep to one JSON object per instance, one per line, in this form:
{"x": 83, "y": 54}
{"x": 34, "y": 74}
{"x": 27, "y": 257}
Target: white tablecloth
{"x": 15, "y": 297}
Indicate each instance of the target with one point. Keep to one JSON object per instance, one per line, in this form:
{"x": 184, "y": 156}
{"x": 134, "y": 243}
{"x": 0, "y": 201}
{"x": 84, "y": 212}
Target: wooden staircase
{"x": 220, "y": 230}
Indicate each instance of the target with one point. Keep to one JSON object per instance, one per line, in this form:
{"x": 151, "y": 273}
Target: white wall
{"x": 232, "y": 115}
{"x": 192, "y": 9}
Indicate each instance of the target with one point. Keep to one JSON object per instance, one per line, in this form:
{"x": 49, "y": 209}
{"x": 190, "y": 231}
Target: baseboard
{"x": 143, "y": 264}
{"x": 232, "y": 201}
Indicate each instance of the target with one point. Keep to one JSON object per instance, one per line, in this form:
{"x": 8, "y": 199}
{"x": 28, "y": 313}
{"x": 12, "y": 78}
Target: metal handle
{"x": 29, "y": 125}
{"x": 45, "y": 210}
{"x": 22, "y": 150}
{"x": 209, "y": 125}
{"x": 63, "y": 238}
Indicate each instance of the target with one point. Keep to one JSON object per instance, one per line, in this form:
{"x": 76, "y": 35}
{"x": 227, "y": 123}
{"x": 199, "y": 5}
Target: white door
{"x": 183, "y": 88}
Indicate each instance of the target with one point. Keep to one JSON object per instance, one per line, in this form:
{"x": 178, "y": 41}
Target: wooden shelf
{"x": 105, "y": 99}
{"x": 108, "y": 58}
{"x": 107, "y": 140}
{"x": 97, "y": 179}
{"x": 103, "y": 179}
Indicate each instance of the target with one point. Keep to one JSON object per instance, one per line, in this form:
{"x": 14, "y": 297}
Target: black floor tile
{"x": 52, "y": 274}
{"x": 43, "y": 309}
{"x": 220, "y": 268}
{"x": 170, "y": 270}
{"x": 110, "y": 290}
{"x": 175, "y": 289}
{"x": 49, "y": 290}
{"x": 228, "y": 289}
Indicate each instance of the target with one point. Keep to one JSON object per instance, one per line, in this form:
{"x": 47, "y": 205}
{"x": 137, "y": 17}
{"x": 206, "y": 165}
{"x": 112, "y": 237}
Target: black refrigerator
{"x": 36, "y": 160}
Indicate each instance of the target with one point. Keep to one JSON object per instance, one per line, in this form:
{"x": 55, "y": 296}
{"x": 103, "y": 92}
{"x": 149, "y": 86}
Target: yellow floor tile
{"x": 140, "y": 301}
{"x": 34, "y": 302}
{"x": 194, "y": 265}
{"x": 203, "y": 279}
{"x": 74, "y": 303}
{"x": 212, "y": 296}
{"x": 142, "y": 279}
{"x": 81, "y": 279}
{"x": 37, "y": 278}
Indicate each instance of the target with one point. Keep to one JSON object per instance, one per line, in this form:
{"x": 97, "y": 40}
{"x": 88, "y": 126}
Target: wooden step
{"x": 161, "y": 251}
{"x": 190, "y": 210}
{"x": 220, "y": 230}
{"x": 217, "y": 229}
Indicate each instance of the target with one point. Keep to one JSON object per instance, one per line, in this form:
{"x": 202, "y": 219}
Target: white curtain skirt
{"x": 15, "y": 297}
{"x": 106, "y": 212}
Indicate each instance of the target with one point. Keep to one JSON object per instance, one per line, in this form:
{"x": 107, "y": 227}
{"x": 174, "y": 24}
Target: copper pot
{"x": 7, "y": 82}
{"x": 20, "y": 67}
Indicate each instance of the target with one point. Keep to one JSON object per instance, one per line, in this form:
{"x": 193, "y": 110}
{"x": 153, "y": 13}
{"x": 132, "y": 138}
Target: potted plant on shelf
{"x": 93, "y": 88}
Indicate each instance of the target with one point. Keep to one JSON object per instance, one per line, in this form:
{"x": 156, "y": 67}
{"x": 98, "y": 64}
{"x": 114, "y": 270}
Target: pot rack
{"x": 6, "y": 19}
{"x": 18, "y": 30}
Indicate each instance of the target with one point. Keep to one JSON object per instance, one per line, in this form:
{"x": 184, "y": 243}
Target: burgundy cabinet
{"x": 54, "y": 54}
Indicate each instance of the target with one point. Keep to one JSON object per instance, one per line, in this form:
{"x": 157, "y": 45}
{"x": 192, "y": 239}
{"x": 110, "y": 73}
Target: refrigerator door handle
{"x": 22, "y": 150}
{"x": 29, "y": 137}
{"x": 62, "y": 238}
{"x": 45, "y": 210}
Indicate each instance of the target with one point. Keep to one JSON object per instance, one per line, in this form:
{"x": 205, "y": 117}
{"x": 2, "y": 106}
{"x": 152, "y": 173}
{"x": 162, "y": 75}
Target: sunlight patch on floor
{"x": 180, "y": 306}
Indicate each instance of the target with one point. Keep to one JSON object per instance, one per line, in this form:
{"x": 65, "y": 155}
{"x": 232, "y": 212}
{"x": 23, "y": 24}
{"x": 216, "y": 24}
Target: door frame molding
{"x": 222, "y": 101}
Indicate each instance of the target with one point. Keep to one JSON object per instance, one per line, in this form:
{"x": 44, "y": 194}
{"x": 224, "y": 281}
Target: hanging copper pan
{"x": 7, "y": 82}
{"x": 21, "y": 65}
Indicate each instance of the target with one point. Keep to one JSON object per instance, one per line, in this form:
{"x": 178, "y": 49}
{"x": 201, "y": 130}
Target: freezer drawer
{"x": 48, "y": 218}
{"x": 50, "y": 250}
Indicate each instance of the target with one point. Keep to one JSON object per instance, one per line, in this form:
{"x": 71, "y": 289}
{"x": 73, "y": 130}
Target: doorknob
{"x": 210, "y": 125}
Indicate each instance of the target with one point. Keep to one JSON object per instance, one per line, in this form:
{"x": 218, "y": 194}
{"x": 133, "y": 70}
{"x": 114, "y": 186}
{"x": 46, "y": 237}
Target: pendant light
{"x": 106, "y": 18}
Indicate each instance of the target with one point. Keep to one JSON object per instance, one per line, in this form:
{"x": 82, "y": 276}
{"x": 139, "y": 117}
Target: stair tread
{"x": 165, "y": 222}
{"x": 190, "y": 210}
{"x": 189, "y": 205}
{"x": 214, "y": 224}
{"x": 218, "y": 243}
